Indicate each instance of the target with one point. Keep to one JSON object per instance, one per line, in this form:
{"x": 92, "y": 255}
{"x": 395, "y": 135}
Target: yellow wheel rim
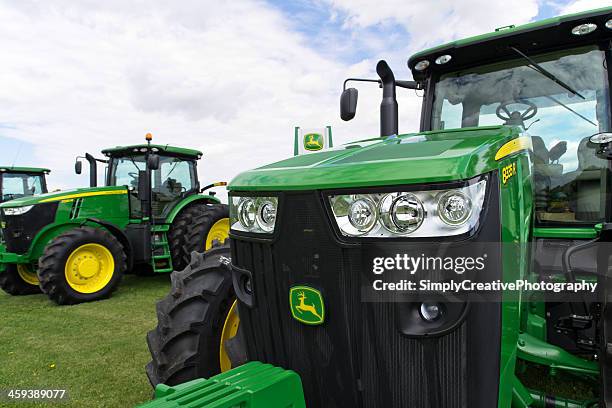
{"x": 218, "y": 232}
{"x": 27, "y": 275}
{"x": 89, "y": 268}
{"x": 230, "y": 328}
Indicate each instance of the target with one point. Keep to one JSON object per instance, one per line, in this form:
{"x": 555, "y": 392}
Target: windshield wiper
{"x": 545, "y": 72}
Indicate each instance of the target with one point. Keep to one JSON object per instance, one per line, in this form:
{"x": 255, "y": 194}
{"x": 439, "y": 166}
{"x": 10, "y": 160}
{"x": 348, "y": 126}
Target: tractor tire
{"x": 194, "y": 229}
{"x": 81, "y": 265}
{"x": 17, "y": 281}
{"x": 186, "y": 343}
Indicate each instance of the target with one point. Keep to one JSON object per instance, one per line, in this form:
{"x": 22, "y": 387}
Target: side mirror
{"x": 153, "y": 162}
{"x": 78, "y": 167}
{"x": 348, "y": 104}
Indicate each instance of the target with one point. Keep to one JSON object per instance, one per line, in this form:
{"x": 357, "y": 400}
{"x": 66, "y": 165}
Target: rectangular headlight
{"x": 255, "y": 214}
{"x": 426, "y": 213}
{"x": 17, "y": 210}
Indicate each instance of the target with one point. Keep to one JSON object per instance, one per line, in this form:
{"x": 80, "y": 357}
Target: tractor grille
{"x": 358, "y": 357}
{"x": 20, "y": 230}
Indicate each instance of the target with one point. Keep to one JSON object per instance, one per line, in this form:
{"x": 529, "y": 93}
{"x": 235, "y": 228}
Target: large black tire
{"x": 190, "y": 229}
{"x": 13, "y": 284}
{"x": 185, "y": 344}
{"x": 51, "y": 265}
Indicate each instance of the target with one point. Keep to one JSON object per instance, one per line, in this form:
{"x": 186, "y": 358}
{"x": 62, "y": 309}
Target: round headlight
{"x": 443, "y": 59}
{"x": 421, "y": 65}
{"x": 362, "y": 215}
{"x": 247, "y": 213}
{"x": 609, "y": 24}
{"x": 454, "y": 207}
{"x": 266, "y": 215}
{"x": 430, "y": 311}
{"x": 584, "y": 29}
{"x": 401, "y": 213}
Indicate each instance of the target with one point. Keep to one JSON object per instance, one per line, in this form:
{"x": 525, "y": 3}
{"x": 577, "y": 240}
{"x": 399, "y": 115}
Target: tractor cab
{"x": 172, "y": 172}
{"x": 17, "y": 182}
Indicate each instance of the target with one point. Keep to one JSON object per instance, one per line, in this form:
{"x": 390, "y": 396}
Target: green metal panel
{"x": 516, "y": 202}
{"x": 566, "y": 232}
{"x": 425, "y": 157}
{"x": 64, "y": 195}
{"x": 253, "y": 385}
{"x": 92, "y": 203}
{"x": 539, "y": 352}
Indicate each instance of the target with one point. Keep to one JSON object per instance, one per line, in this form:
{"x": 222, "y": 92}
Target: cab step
{"x": 160, "y": 249}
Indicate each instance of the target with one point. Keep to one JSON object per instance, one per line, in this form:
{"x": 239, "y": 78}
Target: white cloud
{"x": 431, "y": 22}
{"x": 229, "y": 78}
{"x": 582, "y": 5}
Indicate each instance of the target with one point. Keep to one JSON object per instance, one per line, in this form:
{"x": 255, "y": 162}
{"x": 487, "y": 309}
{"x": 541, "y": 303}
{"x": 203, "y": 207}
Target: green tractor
{"x": 18, "y": 182}
{"x": 75, "y": 245}
{"x": 506, "y": 188}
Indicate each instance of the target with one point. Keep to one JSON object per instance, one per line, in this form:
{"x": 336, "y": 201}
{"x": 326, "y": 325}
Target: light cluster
{"x": 253, "y": 214}
{"x": 427, "y": 213}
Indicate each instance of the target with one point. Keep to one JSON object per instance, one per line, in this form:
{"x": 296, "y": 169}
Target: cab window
{"x": 20, "y": 185}
{"x": 568, "y": 175}
{"x": 171, "y": 182}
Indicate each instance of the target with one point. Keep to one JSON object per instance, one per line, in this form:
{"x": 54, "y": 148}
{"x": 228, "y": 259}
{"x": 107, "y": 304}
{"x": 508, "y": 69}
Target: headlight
{"x": 17, "y": 210}
{"x": 253, "y": 214}
{"x": 427, "y": 213}
{"x": 454, "y": 207}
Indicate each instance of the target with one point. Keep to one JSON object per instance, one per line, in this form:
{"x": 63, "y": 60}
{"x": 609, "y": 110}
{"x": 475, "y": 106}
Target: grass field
{"x": 96, "y": 351}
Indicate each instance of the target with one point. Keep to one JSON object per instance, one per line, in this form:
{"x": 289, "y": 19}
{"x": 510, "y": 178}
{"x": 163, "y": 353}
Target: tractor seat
{"x": 588, "y": 181}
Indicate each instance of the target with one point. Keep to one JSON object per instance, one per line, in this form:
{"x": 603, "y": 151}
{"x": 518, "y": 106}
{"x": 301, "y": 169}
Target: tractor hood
{"x": 63, "y": 195}
{"x": 426, "y": 157}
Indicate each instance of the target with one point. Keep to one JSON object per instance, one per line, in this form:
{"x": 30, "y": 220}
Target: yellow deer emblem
{"x": 302, "y": 307}
{"x": 313, "y": 141}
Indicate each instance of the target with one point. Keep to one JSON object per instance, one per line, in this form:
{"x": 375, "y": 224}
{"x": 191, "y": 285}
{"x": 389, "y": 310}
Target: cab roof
{"x": 550, "y": 34}
{"x": 160, "y": 149}
{"x": 16, "y": 169}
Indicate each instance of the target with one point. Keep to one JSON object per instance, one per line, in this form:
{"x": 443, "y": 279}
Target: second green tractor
{"x": 75, "y": 245}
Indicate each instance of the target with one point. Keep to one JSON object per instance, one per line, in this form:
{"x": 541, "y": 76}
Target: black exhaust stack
{"x": 93, "y": 170}
{"x": 388, "y": 106}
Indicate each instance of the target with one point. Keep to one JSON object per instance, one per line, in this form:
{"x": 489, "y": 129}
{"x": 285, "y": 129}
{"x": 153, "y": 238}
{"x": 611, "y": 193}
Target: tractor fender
{"x": 53, "y": 230}
{"x": 188, "y": 201}
{"x": 45, "y": 235}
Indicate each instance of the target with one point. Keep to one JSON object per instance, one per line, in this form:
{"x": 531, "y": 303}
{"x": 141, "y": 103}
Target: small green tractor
{"x": 18, "y": 182}
{"x": 75, "y": 245}
{"x": 508, "y": 183}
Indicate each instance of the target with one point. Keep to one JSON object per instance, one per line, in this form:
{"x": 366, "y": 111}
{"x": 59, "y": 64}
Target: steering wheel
{"x": 516, "y": 117}
{"x": 133, "y": 175}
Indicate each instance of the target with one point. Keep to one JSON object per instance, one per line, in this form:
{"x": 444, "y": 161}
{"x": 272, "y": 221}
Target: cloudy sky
{"x": 229, "y": 78}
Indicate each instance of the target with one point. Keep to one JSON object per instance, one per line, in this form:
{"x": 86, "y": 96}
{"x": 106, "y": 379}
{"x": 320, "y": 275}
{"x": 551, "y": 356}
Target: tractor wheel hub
{"x": 88, "y": 267}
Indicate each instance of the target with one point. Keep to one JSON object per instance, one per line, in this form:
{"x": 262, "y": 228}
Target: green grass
{"x": 96, "y": 351}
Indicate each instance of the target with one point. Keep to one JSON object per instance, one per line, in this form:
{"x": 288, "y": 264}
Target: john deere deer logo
{"x": 313, "y": 142}
{"x": 307, "y": 305}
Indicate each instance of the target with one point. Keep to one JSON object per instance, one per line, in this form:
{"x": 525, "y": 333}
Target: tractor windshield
{"x": 16, "y": 185}
{"x": 568, "y": 176}
{"x": 175, "y": 178}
